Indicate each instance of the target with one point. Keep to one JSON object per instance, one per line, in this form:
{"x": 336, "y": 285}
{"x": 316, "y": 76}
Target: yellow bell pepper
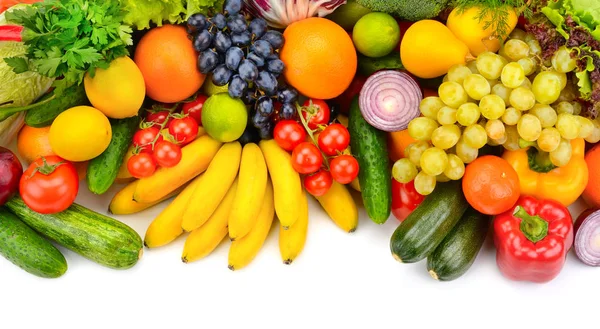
{"x": 541, "y": 179}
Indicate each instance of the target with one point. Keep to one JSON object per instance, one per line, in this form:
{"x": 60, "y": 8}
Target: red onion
{"x": 587, "y": 237}
{"x": 389, "y": 100}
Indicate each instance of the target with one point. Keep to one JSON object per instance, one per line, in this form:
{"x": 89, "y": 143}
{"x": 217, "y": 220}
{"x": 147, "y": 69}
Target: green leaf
{"x": 18, "y": 64}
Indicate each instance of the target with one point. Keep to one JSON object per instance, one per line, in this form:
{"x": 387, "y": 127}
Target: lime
{"x": 209, "y": 88}
{"x": 347, "y": 15}
{"x": 224, "y": 118}
{"x": 376, "y": 34}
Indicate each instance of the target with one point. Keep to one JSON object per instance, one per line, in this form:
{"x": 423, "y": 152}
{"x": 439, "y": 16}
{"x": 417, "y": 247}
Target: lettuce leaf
{"x": 586, "y": 13}
{"x": 142, "y": 13}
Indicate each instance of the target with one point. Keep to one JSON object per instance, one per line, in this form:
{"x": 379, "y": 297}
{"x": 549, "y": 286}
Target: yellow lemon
{"x": 117, "y": 91}
{"x": 80, "y": 133}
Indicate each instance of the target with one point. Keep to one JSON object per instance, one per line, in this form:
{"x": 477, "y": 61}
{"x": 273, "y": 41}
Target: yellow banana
{"x": 215, "y": 183}
{"x": 292, "y": 240}
{"x": 195, "y": 158}
{"x": 166, "y": 227}
{"x": 286, "y": 182}
{"x": 355, "y": 185}
{"x": 340, "y": 206}
{"x": 123, "y": 203}
{"x": 250, "y": 192}
{"x": 243, "y": 250}
{"x": 202, "y": 241}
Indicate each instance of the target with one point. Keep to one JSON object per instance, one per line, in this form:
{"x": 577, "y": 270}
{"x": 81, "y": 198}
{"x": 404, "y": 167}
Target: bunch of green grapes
{"x": 510, "y": 99}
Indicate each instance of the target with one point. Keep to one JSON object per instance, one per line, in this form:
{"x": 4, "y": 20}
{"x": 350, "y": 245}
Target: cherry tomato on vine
{"x": 184, "y": 130}
{"x": 141, "y": 165}
{"x": 157, "y": 117}
{"x": 344, "y": 168}
{"x": 166, "y": 154}
{"x": 405, "y": 199}
{"x": 144, "y": 138}
{"x": 334, "y": 139}
{"x": 316, "y": 112}
{"x": 194, "y": 108}
{"x": 319, "y": 183}
{"x": 306, "y": 158}
{"x": 288, "y": 134}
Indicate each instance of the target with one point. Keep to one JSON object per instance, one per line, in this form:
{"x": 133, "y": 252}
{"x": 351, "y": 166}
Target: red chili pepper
{"x": 11, "y": 33}
{"x": 405, "y": 199}
{"x": 532, "y": 239}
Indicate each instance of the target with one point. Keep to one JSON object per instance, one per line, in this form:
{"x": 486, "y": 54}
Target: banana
{"x": 243, "y": 250}
{"x": 123, "y": 203}
{"x": 215, "y": 183}
{"x": 292, "y": 240}
{"x": 355, "y": 185}
{"x": 286, "y": 182}
{"x": 195, "y": 158}
{"x": 250, "y": 193}
{"x": 340, "y": 206}
{"x": 166, "y": 227}
{"x": 202, "y": 241}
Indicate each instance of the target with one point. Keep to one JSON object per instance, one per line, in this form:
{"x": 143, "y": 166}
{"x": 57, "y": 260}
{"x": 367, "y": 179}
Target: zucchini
{"x": 369, "y": 65}
{"x": 25, "y": 248}
{"x": 103, "y": 170}
{"x": 455, "y": 255}
{"x": 425, "y": 228}
{"x": 369, "y": 146}
{"x": 49, "y": 108}
{"x": 99, "y": 238}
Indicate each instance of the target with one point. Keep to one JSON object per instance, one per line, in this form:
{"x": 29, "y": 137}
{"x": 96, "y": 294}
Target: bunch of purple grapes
{"x": 244, "y": 53}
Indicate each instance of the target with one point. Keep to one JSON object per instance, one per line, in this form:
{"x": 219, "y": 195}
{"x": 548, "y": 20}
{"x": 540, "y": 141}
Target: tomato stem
{"x": 46, "y": 169}
{"x": 310, "y": 133}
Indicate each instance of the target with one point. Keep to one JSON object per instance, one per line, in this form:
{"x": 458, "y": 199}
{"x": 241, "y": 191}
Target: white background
{"x": 340, "y": 281}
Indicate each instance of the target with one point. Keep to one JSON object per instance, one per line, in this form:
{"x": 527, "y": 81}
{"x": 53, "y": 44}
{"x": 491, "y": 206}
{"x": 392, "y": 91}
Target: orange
{"x": 591, "y": 194}
{"x": 168, "y": 61}
{"x": 320, "y": 58}
{"x": 33, "y": 143}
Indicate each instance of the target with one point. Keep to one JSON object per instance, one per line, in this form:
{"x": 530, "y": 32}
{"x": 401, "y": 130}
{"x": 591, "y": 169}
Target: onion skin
{"x": 585, "y": 226}
{"x": 399, "y": 90}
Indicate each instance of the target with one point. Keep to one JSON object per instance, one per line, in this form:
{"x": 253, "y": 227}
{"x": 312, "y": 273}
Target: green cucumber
{"x": 103, "y": 170}
{"x": 455, "y": 255}
{"x": 49, "y": 108}
{"x": 368, "y": 65}
{"x": 99, "y": 238}
{"x": 425, "y": 228}
{"x": 369, "y": 146}
{"x": 25, "y": 248}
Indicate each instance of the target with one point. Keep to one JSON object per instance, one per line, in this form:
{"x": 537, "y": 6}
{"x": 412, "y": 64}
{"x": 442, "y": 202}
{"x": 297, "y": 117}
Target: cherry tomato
{"x": 144, "y": 138}
{"x": 184, "y": 130}
{"x": 141, "y": 165}
{"x": 288, "y": 134}
{"x": 318, "y": 183}
{"x": 405, "y": 199}
{"x": 49, "y": 185}
{"x": 157, "y": 117}
{"x": 334, "y": 139}
{"x": 194, "y": 108}
{"x": 316, "y": 112}
{"x": 306, "y": 158}
{"x": 167, "y": 154}
{"x": 344, "y": 168}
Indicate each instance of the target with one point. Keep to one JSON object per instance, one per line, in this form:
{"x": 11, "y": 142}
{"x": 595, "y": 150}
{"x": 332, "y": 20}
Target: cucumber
{"x": 455, "y": 255}
{"x": 103, "y": 170}
{"x": 99, "y": 238}
{"x": 369, "y": 146}
{"x": 25, "y": 248}
{"x": 44, "y": 114}
{"x": 425, "y": 228}
{"x": 368, "y": 65}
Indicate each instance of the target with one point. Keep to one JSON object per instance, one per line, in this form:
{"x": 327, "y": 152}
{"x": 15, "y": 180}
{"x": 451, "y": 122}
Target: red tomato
{"x": 184, "y": 130}
{"x": 288, "y": 134}
{"x": 194, "y": 108}
{"x": 334, "y": 139}
{"x": 344, "y": 168}
{"x": 306, "y": 158}
{"x": 145, "y": 138}
{"x": 49, "y": 185}
{"x": 316, "y": 112}
{"x": 166, "y": 154}
{"x": 318, "y": 183}
{"x": 405, "y": 199}
{"x": 141, "y": 165}
{"x": 158, "y": 117}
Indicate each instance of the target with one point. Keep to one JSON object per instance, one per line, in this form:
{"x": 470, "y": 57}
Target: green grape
{"x": 511, "y": 116}
{"x": 546, "y": 114}
{"x": 421, "y": 128}
{"x": 534, "y": 47}
{"x": 522, "y": 99}
{"x": 562, "y": 155}
{"x": 528, "y": 64}
{"x": 496, "y": 142}
{"x": 549, "y": 139}
{"x": 492, "y": 106}
{"x": 490, "y": 65}
{"x": 452, "y": 94}
{"x": 595, "y": 136}
{"x": 529, "y": 37}
{"x": 518, "y": 34}
{"x": 512, "y": 138}
{"x": 430, "y": 106}
{"x": 446, "y": 116}
{"x": 434, "y": 161}
{"x": 568, "y": 126}
{"x": 455, "y": 169}
{"x": 404, "y": 171}
{"x": 568, "y": 94}
{"x": 577, "y": 108}
{"x": 466, "y": 153}
{"x": 529, "y": 127}
{"x": 502, "y": 91}
{"x": 467, "y": 114}
{"x": 458, "y": 73}
{"x": 424, "y": 184}
{"x": 415, "y": 151}
{"x": 512, "y": 75}
{"x": 526, "y": 83}
{"x": 492, "y": 83}
{"x": 441, "y": 178}
{"x": 472, "y": 65}
{"x": 565, "y": 107}
{"x": 502, "y": 52}
{"x": 546, "y": 87}
{"x": 516, "y": 49}
{"x": 475, "y": 136}
{"x": 562, "y": 77}
{"x": 446, "y": 136}
{"x": 562, "y": 60}
{"x": 586, "y": 126}
{"x": 495, "y": 129}
{"x": 476, "y": 86}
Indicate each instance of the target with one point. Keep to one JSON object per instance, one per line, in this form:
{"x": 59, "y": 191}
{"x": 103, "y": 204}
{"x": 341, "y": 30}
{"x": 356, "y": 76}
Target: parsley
{"x": 494, "y": 13}
{"x": 69, "y": 38}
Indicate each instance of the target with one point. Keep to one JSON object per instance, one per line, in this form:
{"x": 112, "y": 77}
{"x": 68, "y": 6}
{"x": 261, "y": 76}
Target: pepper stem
{"x": 539, "y": 161}
{"x": 533, "y": 227}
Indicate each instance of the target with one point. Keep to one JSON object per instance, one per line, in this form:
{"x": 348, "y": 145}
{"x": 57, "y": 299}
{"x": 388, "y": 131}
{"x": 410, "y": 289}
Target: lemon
{"x": 376, "y": 34}
{"x": 80, "y": 133}
{"x": 224, "y": 118}
{"x": 117, "y": 91}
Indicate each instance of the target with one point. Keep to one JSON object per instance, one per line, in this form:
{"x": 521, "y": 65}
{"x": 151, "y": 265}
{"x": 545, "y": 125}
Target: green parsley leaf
{"x": 18, "y": 64}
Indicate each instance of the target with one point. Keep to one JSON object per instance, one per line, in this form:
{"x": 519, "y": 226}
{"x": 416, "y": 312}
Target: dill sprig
{"x": 494, "y": 13}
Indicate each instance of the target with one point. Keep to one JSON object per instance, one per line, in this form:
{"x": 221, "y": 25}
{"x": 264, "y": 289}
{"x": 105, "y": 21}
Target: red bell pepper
{"x": 11, "y": 33}
{"x": 405, "y": 199}
{"x": 532, "y": 239}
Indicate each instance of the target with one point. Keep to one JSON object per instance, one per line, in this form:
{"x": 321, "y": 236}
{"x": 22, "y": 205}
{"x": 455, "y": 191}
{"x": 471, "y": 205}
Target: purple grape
{"x": 233, "y": 58}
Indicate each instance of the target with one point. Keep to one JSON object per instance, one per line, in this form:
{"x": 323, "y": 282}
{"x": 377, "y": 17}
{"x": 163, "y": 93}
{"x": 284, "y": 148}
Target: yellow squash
{"x": 292, "y": 240}
{"x": 123, "y": 203}
{"x": 340, "y": 206}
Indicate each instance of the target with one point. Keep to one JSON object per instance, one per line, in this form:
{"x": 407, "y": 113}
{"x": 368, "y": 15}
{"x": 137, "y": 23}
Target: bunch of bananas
{"x": 229, "y": 191}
